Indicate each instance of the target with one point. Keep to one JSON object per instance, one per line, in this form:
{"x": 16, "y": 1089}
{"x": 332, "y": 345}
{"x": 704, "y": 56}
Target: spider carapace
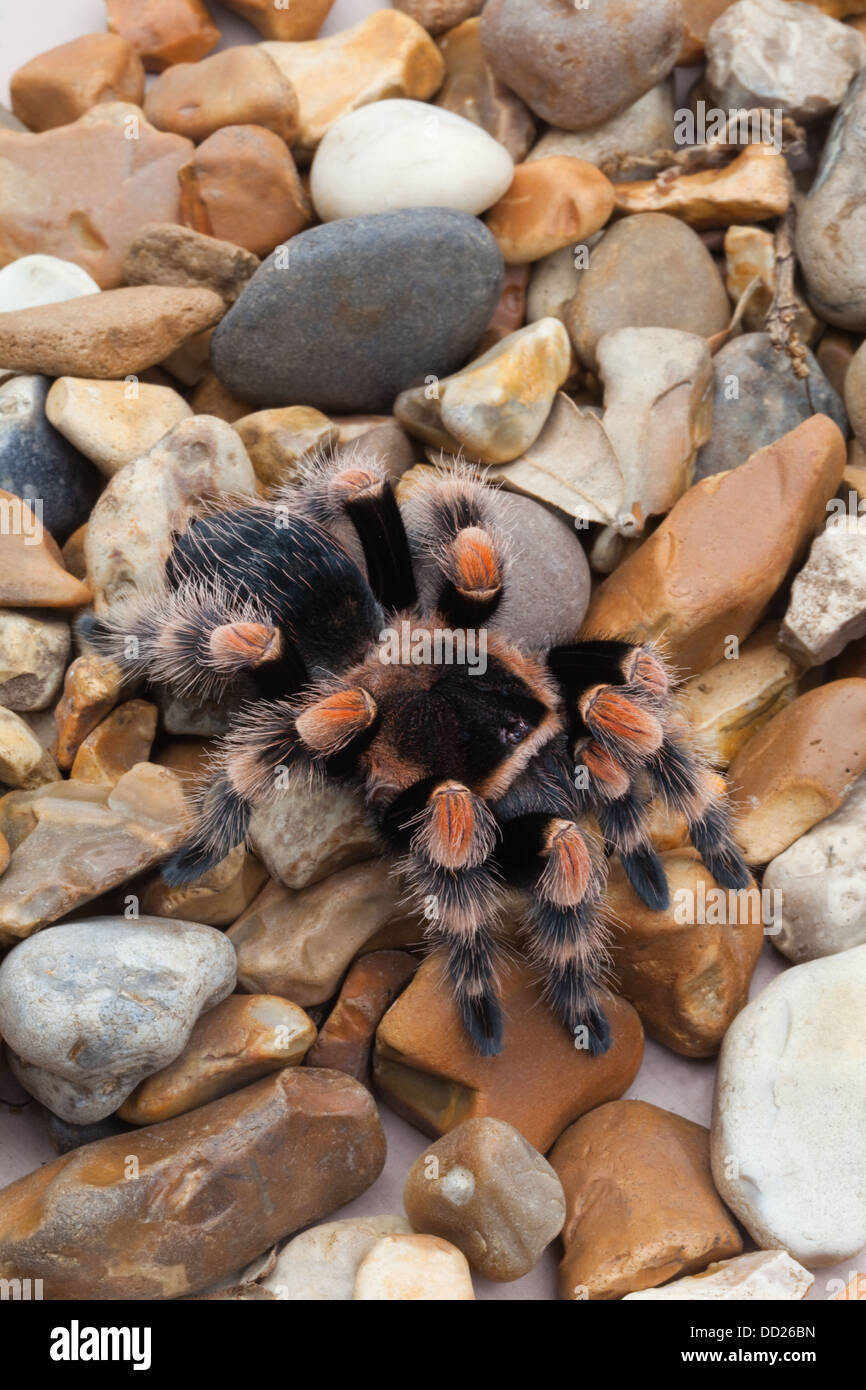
{"x": 516, "y": 771}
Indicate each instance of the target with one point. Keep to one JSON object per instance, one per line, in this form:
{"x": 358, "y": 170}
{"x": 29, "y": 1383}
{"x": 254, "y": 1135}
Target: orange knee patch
{"x": 236, "y": 645}
{"x": 353, "y": 481}
{"x": 605, "y": 768}
{"x": 644, "y": 668}
{"x": 476, "y": 568}
{"x": 331, "y": 723}
{"x": 456, "y": 833}
{"x": 609, "y": 714}
{"x": 566, "y": 875}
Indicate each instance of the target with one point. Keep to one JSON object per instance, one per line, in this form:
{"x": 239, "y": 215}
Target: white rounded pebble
{"x": 410, "y": 1269}
{"x": 406, "y": 154}
{"x": 790, "y": 1112}
{"x": 33, "y": 280}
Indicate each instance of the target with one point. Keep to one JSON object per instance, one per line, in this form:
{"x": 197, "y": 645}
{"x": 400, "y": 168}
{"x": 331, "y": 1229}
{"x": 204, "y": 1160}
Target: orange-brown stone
{"x": 59, "y": 85}
{"x": 755, "y": 186}
{"x": 91, "y": 689}
{"x": 32, "y": 572}
{"x": 240, "y": 86}
{"x": 241, "y": 185}
{"x": 550, "y": 204}
{"x": 122, "y": 739}
{"x": 300, "y": 19}
{"x": 163, "y": 32}
{"x": 345, "y": 1041}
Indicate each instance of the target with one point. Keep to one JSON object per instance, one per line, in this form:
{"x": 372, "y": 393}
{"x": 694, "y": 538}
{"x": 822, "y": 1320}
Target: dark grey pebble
{"x": 38, "y": 464}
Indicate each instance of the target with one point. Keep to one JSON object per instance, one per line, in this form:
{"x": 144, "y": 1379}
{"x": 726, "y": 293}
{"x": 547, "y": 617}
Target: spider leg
{"x": 451, "y": 520}
{"x": 551, "y": 858}
{"x": 450, "y": 869}
{"x": 690, "y": 786}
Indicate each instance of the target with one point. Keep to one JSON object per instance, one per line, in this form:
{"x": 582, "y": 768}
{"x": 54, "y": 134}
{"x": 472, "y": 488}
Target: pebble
{"x": 640, "y": 1202}
{"x": 551, "y": 203}
{"x": 308, "y": 833}
{"x": 676, "y": 285}
{"x": 472, "y": 89}
{"x": 799, "y": 767}
{"x": 699, "y": 16}
{"x": 411, "y": 1269}
{"x": 827, "y": 606}
{"x": 164, "y": 32}
{"x": 33, "y": 280}
{"x": 782, "y": 55}
{"x": 577, "y": 67}
{"x": 241, "y": 185}
{"x": 553, "y": 284}
{"x": 658, "y": 411}
{"x": 727, "y": 704}
{"x": 91, "y": 688}
{"x": 345, "y": 1041}
{"x": 710, "y": 570}
{"x": 232, "y": 1045}
{"x": 496, "y": 406}
{"x": 311, "y": 1139}
{"x": 855, "y": 395}
{"x": 687, "y": 977}
{"x": 547, "y": 565}
{"x": 757, "y": 399}
{"x": 767, "y": 1275}
{"x": 510, "y": 312}
{"x": 751, "y": 252}
{"x": 88, "y": 1009}
{"x": 112, "y": 422}
{"x": 300, "y": 943}
{"x": 85, "y": 839}
{"x": 301, "y": 19}
{"x": 320, "y": 1265}
{"x": 821, "y": 885}
{"x": 832, "y": 262}
{"x": 617, "y": 144}
{"x": 386, "y": 55}
{"x": 166, "y": 254}
{"x": 129, "y": 535}
{"x": 119, "y": 741}
{"x": 291, "y": 339}
{"x": 23, "y": 760}
{"x": 36, "y": 463}
{"x": 491, "y": 1194}
{"x": 82, "y": 191}
{"x": 754, "y": 186}
{"x": 787, "y": 1132}
{"x": 240, "y": 86}
{"x": 438, "y": 15}
{"x": 34, "y": 650}
{"x": 571, "y": 465}
{"x": 404, "y": 154}
{"x": 113, "y": 334}
{"x": 428, "y": 1071}
{"x": 32, "y": 572}
{"x": 279, "y": 441}
{"x": 217, "y": 897}
{"x": 61, "y": 84}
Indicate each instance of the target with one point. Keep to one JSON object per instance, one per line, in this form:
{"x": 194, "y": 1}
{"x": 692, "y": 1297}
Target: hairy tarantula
{"x": 480, "y": 778}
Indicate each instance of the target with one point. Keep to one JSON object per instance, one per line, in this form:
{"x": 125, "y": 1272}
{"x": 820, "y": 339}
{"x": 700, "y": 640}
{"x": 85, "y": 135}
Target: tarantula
{"x": 479, "y": 778}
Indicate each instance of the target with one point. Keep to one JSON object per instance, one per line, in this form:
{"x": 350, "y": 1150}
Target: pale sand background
{"x": 28, "y": 27}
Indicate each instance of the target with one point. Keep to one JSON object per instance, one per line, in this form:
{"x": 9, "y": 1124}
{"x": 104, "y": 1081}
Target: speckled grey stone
{"x": 364, "y": 308}
{"x": 37, "y": 463}
{"x": 771, "y": 400}
{"x": 89, "y": 1008}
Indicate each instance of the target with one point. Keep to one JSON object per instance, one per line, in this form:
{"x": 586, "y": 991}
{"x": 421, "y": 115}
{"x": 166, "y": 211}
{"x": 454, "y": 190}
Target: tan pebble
{"x": 727, "y": 704}
{"x": 755, "y": 186}
{"x": 301, "y": 19}
{"x": 798, "y": 767}
{"x": 82, "y": 191}
{"x": 641, "y": 1205}
{"x": 472, "y": 90}
{"x": 308, "y": 833}
{"x": 119, "y": 741}
{"x": 711, "y": 568}
{"x": 112, "y": 422}
{"x": 23, "y": 761}
{"x": 240, "y": 86}
{"x": 232, "y": 1045}
{"x": 33, "y": 654}
{"x": 115, "y": 334}
{"x": 409, "y": 1269}
{"x": 509, "y": 313}
{"x": 217, "y": 897}
{"x": 91, "y": 688}
{"x": 278, "y": 441}
{"x": 211, "y": 397}
{"x": 32, "y": 573}
{"x": 428, "y": 1071}
{"x": 73, "y": 553}
{"x": 62, "y": 83}
{"x": 241, "y": 185}
{"x": 551, "y": 203}
{"x": 687, "y": 968}
{"x": 163, "y": 32}
{"x": 386, "y": 55}
{"x": 698, "y": 18}
{"x": 166, "y": 254}
{"x": 438, "y": 15}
